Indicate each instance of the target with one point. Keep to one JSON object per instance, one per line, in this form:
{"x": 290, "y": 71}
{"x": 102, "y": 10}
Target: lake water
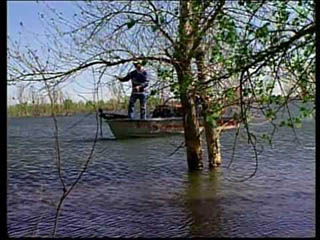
{"x": 134, "y": 188}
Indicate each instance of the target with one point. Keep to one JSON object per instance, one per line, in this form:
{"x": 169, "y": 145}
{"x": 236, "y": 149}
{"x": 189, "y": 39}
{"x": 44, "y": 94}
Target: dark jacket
{"x": 137, "y": 79}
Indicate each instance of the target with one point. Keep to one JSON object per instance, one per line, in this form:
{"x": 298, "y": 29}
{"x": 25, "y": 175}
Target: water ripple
{"x": 133, "y": 188}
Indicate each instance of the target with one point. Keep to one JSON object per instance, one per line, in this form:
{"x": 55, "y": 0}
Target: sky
{"x": 23, "y": 17}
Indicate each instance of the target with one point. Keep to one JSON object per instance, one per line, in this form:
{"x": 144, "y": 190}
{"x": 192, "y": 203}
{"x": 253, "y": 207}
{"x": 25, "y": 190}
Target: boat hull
{"x": 156, "y": 127}
{"x": 153, "y": 127}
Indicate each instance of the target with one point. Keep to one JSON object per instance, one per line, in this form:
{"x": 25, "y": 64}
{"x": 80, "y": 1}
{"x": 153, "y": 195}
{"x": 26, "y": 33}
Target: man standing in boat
{"x": 139, "y": 82}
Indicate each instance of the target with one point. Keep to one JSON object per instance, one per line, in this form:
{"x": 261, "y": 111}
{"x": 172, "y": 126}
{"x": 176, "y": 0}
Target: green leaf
{"x": 270, "y": 114}
{"x": 267, "y": 138}
{"x": 211, "y": 120}
{"x": 263, "y": 31}
{"x": 154, "y": 28}
{"x": 131, "y": 23}
{"x": 282, "y": 123}
{"x": 162, "y": 19}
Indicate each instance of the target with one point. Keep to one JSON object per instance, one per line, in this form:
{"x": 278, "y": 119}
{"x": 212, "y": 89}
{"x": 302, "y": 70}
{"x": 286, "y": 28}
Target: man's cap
{"x": 137, "y": 63}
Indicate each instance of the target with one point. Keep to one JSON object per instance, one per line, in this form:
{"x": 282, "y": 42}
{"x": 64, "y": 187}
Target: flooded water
{"x": 134, "y": 188}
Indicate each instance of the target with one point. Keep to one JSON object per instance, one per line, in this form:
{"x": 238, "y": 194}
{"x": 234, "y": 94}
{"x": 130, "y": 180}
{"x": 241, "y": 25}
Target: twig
{"x": 68, "y": 191}
{"x": 182, "y": 144}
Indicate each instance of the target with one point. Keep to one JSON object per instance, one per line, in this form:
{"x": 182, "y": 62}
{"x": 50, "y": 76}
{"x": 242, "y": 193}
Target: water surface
{"x": 133, "y": 188}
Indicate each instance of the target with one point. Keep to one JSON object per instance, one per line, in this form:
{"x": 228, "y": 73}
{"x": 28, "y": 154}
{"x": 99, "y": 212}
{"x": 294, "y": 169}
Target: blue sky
{"x": 27, "y": 13}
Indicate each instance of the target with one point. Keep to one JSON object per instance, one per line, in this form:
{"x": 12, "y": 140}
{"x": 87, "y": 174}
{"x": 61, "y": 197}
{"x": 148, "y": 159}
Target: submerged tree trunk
{"x": 192, "y": 135}
{"x": 182, "y": 58}
{"x": 190, "y": 122}
{"x": 213, "y": 144}
{"x": 212, "y": 131}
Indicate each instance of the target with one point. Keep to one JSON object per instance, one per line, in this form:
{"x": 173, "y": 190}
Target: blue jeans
{"x": 133, "y": 99}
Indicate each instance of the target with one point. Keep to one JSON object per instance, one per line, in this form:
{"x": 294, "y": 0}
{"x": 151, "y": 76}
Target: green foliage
{"x": 229, "y": 93}
{"x": 175, "y": 89}
{"x": 249, "y": 4}
{"x": 164, "y": 74}
{"x": 227, "y": 29}
{"x": 291, "y": 123}
{"x": 263, "y": 31}
{"x": 212, "y": 120}
{"x": 270, "y": 114}
{"x": 217, "y": 55}
{"x": 153, "y": 101}
{"x": 306, "y": 112}
{"x": 67, "y": 104}
{"x": 154, "y": 92}
{"x": 213, "y": 114}
{"x": 266, "y": 138}
{"x": 131, "y": 23}
{"x": 69, "y": 107}
{"x": 89, "y": 103}
{"x": 282, "y": 13}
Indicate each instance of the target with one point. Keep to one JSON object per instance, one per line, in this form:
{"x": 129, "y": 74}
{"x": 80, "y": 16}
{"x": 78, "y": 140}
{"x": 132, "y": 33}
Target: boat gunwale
{"x": 144, "y": 120}
{"x": 157, "y": 119}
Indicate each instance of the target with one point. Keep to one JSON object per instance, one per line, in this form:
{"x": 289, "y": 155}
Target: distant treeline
{"x": 68, "y": 107}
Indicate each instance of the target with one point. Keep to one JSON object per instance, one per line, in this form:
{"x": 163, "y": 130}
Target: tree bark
{"x": 185, "y": 79}
{"x": 190, "y": 122}
{"x": 212, "y": 133}
{"x": 192, "y": 135}
{"x": 213, "y": 145}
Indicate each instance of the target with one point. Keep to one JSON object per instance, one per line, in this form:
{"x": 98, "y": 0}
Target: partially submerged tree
{"x": 228, "y": 53}
{"x": 247, "y": 57}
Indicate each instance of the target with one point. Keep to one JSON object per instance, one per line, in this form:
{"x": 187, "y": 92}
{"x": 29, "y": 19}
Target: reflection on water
{"x": 202, "y": 199}
{"x": 134, "y": 189}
